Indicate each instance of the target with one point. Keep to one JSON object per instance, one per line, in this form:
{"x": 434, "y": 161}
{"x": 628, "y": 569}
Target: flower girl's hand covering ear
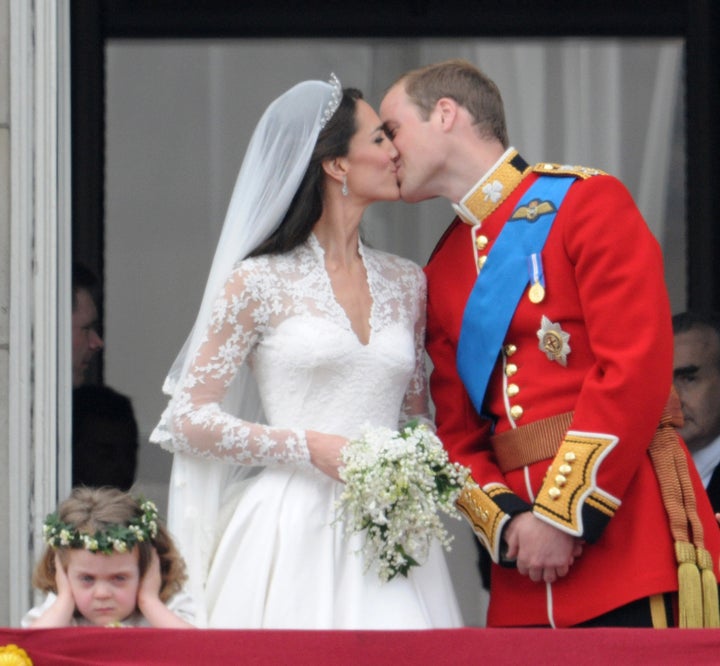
{"x": 61, "y": 579}
{"x": 151, "y": 582}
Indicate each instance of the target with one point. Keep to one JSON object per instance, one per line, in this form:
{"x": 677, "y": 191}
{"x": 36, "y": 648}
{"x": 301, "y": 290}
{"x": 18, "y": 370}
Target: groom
{"x": 550, "y": 333}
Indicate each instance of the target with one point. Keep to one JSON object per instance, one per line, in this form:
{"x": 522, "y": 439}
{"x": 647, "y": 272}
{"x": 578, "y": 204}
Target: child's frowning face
{"x": 105, "y": 587}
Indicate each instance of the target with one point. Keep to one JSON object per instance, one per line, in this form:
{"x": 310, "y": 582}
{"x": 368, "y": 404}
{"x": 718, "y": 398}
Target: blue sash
{"x": 500, "y": 285}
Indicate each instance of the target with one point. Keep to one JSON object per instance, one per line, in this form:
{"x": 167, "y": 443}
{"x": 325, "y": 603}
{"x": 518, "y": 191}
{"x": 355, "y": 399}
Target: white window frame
{"x": 39, "y": 384}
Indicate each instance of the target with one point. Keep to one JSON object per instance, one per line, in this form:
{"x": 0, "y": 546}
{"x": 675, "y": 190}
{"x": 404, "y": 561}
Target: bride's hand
{"x": 325, "y": 452}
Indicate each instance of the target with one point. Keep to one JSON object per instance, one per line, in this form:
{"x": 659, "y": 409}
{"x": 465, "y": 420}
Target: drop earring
{"x": 344, "y": 190}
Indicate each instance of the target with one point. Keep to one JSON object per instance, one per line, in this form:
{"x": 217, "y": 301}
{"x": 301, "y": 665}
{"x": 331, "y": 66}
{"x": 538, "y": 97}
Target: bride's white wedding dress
{"x": 282, "y": 560}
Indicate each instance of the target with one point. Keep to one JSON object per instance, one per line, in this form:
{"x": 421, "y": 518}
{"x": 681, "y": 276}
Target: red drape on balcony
{"x": 90, "y": 645}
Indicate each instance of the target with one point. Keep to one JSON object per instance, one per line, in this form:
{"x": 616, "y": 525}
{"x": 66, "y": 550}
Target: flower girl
{"x": 108, "y": 562}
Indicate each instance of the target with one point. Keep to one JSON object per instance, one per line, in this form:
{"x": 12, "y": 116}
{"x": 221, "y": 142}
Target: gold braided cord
{"x": 657, "y": 612}
{"x": 708, "y": 582}
{"x": 697, "y": 585}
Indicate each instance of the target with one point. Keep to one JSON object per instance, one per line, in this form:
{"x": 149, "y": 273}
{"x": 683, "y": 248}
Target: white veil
{"x": 275, "y": 162}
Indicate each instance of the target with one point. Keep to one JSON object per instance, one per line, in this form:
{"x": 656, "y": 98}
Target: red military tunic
{"x": 605, "y": 290}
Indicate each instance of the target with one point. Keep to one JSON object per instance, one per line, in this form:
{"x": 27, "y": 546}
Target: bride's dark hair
{"x": 306, "y": 206}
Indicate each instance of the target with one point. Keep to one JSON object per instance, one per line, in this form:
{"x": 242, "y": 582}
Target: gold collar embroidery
{"x": 493, "y": 188}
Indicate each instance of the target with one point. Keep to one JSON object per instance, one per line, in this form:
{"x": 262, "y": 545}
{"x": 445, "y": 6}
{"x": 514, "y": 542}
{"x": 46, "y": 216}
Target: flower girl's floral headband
{"x": 116, "y": 538}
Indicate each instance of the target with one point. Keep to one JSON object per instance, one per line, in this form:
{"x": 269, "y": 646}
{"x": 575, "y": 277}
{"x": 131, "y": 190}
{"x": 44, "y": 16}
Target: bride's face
{"x": 371, "y": 168}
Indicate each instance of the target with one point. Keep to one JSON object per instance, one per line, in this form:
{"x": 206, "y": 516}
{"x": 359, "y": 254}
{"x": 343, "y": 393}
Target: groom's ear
{"x": 446, "y": 110}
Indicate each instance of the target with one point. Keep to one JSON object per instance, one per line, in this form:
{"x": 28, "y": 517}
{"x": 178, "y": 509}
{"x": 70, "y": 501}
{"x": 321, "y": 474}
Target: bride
{"x": 304, "y": 336}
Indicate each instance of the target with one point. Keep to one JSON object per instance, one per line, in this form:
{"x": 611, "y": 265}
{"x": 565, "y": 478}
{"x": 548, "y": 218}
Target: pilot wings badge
{"x": 533, "y": 210}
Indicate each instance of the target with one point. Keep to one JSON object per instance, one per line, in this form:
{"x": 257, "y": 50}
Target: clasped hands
{"x": 541, "y": 551}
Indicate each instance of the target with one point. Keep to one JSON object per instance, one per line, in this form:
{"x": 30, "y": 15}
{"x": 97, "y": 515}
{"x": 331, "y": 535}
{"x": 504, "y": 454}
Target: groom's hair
{"x": 467, "y": 85}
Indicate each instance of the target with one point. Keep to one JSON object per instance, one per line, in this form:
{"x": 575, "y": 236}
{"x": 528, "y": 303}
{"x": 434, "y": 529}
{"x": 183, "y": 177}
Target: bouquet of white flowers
{"x": 397, "y": 484}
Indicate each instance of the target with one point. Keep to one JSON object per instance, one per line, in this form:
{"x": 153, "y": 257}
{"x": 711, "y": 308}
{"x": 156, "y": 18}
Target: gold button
{"x": 512, "y": 390}
{"x": 560, "y": 480}
{"x": 565, "y": 469}
{"x": 481, "y": 260}
{"x": 510, "y": 369}
{"x": 554, "y": 493}
{"x": 481, "y": 242}
{"x": 516, "y": 411}
{"x": 510, "y": 349}
{"x": 484, "y": 516}
{"x": 570, "y": 457}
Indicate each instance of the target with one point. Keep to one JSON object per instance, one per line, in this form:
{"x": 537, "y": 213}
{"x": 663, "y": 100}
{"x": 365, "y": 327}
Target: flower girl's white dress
{"x": 278, "y": 558}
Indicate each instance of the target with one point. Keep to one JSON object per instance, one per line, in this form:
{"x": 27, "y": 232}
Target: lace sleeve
{"x": 415, "y": 403}
{"x": 200, "y": 423}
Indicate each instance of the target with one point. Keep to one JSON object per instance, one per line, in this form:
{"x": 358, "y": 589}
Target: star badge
{"x": 553, "y": 341}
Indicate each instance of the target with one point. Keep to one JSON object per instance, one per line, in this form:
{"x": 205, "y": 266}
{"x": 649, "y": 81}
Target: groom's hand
{"x": 542, "y": 552}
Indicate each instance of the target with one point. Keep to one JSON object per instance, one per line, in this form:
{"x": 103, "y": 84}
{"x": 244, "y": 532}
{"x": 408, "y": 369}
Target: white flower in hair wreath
{"x": 116, "y": 538}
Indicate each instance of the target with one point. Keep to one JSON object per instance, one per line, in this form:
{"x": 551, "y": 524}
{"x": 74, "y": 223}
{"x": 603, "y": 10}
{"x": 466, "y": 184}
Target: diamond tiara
{"x": 335, "y": 99}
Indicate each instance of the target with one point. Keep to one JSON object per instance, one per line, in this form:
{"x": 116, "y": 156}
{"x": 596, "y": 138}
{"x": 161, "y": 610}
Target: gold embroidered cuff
{"x": 484, "y": 515}
{"x": 569, "y": 496}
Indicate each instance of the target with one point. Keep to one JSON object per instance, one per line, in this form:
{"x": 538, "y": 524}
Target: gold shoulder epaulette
{"x": 567, "y": 170}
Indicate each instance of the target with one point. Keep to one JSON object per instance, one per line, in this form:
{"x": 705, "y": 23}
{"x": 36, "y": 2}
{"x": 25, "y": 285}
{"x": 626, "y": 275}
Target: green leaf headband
{"x": 116, "y": 538}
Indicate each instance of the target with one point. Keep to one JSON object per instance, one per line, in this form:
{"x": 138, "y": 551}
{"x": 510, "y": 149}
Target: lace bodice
{"x": 278, "y": 313}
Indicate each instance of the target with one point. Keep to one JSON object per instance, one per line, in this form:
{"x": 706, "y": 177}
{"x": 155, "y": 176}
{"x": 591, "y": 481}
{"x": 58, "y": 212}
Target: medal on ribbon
{"x": 536, "y": 293}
